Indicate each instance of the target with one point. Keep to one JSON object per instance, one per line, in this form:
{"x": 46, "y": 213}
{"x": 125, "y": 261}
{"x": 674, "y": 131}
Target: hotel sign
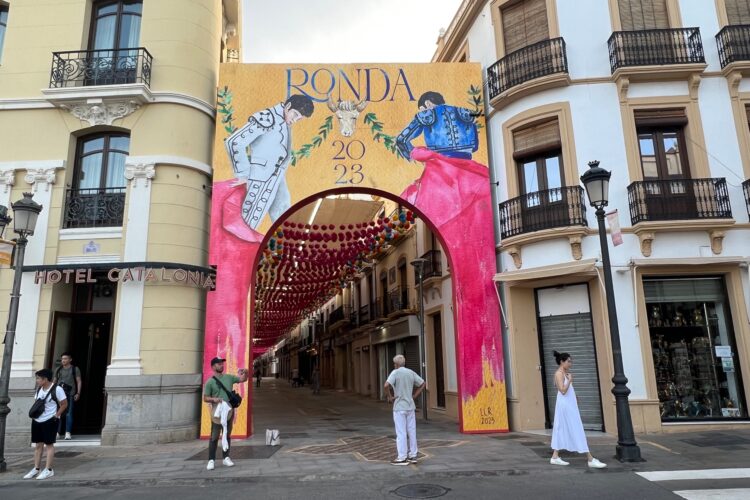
{"x": 123, "y": 275}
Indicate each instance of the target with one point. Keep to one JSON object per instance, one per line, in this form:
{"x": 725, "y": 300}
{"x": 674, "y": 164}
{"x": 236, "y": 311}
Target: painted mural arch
{"x": 288, "y": 134}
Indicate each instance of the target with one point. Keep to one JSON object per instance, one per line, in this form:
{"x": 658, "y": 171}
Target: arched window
{"x": 97, "y": 194}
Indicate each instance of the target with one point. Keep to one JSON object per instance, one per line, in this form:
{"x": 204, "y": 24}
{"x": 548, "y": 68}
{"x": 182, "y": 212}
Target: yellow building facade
{"x": 107, "y": 117}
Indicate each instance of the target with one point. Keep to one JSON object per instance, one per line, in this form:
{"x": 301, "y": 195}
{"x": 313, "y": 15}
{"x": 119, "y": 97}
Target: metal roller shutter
{"x": 572, "y": 333}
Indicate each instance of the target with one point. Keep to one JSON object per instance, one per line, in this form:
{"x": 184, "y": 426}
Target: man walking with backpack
{"x": 49, "y": 403}
{"x": 68, "y": 378}
{"x": 217, "y": 394}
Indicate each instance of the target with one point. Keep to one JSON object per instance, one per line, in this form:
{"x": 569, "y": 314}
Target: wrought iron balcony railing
{"x": 432, "y": 268}
{"x": 376, "y": 309}
{"x": 746, "y": 189}
{"x": 559, "y": 207}
{"x": 681, "y": 199}
{"x": 99, "y": 207}
{"x": 82, "y": 68}
{"x": 398, "y": 300}
{"x": 339, "y": 314}
{"x": 734, "y": 44}
{"x": 535, "y": 61}
{"x": 364, "y": 314}
{"x": 655, "y": 47}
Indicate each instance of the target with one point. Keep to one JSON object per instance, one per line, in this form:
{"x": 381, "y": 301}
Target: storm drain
{"x": 420, "y": 491}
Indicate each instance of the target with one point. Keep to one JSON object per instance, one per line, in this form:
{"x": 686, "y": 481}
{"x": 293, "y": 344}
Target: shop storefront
{"x": 694, "y": 349}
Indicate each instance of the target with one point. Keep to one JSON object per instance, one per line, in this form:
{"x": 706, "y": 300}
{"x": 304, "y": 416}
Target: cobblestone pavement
{"x": 336, "y": 435}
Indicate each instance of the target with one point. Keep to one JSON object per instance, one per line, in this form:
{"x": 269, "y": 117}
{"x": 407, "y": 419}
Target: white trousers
{"x": 406, "y": 426}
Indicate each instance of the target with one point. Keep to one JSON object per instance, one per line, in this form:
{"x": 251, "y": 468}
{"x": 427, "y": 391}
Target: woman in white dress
{"x": 567, "y": 431}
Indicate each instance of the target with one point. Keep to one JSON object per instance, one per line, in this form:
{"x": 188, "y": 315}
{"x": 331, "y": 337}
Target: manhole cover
{"x": 420, "y": 491}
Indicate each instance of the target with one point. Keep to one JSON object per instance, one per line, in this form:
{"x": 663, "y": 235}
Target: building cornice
{"x": 452, "y": 40}
{"x": 122, "y": 93}
{"x": 179, "y": 161}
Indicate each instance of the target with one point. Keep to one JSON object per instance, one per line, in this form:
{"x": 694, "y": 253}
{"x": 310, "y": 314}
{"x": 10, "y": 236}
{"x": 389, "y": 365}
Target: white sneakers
{"x": 45, "y": 474}
{"x": 67, "y": 436}
{"x": 596, "y": 464}
{"x": 227, "y": 463}
{"x": 39, "y": 474}
{"x": 558, "y": 461}
{"x": 33, "y": 472}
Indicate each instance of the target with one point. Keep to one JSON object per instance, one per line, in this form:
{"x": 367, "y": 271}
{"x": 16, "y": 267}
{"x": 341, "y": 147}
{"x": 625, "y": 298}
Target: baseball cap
{"x": 217, "y": 360}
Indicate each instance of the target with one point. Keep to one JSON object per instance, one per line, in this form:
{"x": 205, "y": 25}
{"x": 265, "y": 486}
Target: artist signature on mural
{"x": 486, "y": 416}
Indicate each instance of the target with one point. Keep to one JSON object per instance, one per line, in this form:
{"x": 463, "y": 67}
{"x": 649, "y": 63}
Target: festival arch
{"x": 289, "y": 134}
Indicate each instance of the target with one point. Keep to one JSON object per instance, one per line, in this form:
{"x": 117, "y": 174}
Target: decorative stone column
{"x": 126, "y": 355}
{"x": 40, "y": 175}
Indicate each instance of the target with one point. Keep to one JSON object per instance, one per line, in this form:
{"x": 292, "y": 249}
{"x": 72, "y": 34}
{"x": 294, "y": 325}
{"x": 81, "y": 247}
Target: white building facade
{"x": 658, "y": 91}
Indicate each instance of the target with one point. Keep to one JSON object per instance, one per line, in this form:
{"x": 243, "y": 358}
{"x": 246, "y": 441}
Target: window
{"x": 101, "y": 162}
{"x": 97, "y": 194}
{"x": 738, "y": 11}
{"x": 3, "y": 27}
{"x": 116, "y": 25}
{"x": 661, "y": 142}
{"x": 638, "y": 15}
{"x": 538, "y": 155}
{"x": 524, "y": 23}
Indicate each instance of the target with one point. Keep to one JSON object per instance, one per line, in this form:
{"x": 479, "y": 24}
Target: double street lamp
{"x": 596, "y": 181}
{"x": 419, "y": 267}
{"x": 26, "y": 212}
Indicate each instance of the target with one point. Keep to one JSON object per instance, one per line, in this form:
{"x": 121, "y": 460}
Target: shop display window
{"x": 694, "y": 350}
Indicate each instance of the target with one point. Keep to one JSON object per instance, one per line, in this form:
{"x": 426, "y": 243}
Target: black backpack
{"x": 37, "y": 409}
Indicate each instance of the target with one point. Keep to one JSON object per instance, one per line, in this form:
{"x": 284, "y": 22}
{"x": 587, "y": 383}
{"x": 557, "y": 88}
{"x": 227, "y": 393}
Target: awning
{"x": 581, "y": 267}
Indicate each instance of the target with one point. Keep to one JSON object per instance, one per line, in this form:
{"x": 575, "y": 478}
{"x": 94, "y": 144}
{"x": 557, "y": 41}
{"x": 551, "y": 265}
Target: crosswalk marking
{"x": 691, "y": 475}
{"x": 725, "y": 494}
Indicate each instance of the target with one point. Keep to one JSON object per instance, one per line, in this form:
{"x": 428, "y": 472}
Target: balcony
{"x": 398, "y": 301}
{"x": 533, "y": 66}
{"x": 432, "y": 266}
{"x": 339, "y": 315}
{"x": 746, "y": 189}
{"x": 99, "y": 207}
{"x": 734, "y": 44}
{"x": 683, "y": 199}
{"x": 364, "y": 314}
{"x": 552, "y": 208}
{"x": 636, "y": 51}
{"x": 83, "y": 68}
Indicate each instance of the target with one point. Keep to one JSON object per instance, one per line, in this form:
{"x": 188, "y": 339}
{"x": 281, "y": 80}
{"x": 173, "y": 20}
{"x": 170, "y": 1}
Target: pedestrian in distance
{"x": 68, "y": 378}
{"x": 295, "y": 377}
{"x": 257, "y": 377}
{"x": 216, "y": 392}
{"x": 45, "y": 422}
{"x": 567, "y": 430}
{"x": 402, "y": 387}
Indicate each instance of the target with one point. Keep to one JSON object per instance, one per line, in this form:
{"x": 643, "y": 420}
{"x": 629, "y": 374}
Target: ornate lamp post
{"x": 419, "y": 267}
{"x": 26, "y": 212}
{"x": 596, "y": 181}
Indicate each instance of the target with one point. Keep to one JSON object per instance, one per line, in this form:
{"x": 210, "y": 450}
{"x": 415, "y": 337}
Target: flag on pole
{"x": 613, "y": 220}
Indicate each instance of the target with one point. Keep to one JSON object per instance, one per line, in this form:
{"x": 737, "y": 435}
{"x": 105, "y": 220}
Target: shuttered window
{"x": 738, "y": 11}
{"x": 643, "y": 14}
{"x": 524, "y": 23}
{"x": 660, "y": 117}
{"x": 536, "y": 139}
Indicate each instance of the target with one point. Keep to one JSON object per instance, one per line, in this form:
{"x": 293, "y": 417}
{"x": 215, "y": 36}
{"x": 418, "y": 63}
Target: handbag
{"x": 37, "y": 408}
{"x": 235, "y": 400}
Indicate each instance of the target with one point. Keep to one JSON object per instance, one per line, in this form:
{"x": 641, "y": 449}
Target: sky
{"x": 342, "y": 31}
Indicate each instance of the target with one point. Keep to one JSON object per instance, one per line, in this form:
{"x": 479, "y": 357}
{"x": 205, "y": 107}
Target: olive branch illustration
{"x": 376, "y": 129}
{"x": 476, "y": 101}
{"x": 224, "y": 103}
{"x": 304, "y": 151}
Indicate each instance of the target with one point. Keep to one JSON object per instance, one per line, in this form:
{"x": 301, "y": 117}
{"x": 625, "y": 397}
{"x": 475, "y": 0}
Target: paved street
{"x": 337, "y": 442}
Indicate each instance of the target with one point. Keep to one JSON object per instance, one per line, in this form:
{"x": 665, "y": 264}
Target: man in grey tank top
{"x": 403, "y": 387}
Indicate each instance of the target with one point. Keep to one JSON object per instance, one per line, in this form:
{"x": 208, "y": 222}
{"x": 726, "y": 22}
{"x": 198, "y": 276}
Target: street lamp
{"x": 596, "y": 181}
{"x": 419, "y": 267}
{"x": 26, "y": 212}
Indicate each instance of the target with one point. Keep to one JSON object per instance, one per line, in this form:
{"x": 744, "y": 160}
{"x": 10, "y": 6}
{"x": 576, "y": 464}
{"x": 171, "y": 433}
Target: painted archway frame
{"x": 387, "y": 130}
